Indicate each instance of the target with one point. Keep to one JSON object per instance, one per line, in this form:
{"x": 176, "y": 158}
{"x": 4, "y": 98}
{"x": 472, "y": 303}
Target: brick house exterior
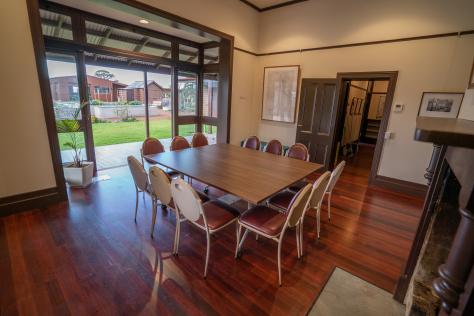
{"x": 136, "y": 92}
{"x": 65, "y": 88}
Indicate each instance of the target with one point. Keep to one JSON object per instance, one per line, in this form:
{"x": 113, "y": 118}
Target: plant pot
{"x": 79, "y": 177}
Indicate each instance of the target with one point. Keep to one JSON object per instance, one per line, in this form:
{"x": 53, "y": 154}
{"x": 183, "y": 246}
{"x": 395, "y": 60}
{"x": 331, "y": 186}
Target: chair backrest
{"x": 199, "y": 140}
{"x": 152, "y": 146}
{"x": 336, "y": 173}
{"x": 298, "y": 205}
{"x": 252, "y": 142}
{"x": 298, "y": 151}
{"x": 274, "y": 147}
{"x": 160, "y": 185}
{"x": 179, "y": 143}
{"x": 318, "y": 190}
{"x": 138, "y": 173}
{"x": 186, "y": 199}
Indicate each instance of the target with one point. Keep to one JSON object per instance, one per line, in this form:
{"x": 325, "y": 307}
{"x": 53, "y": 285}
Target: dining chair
{"x": 150, "y": 146}
{"x": 140, "y": 179}
{"x": 252, "y": 142}
{"x": 199, "y": 140}
{"x": 298, "y": 151}
{"x": 211, "y": 216}
{"x": 274, "y": 147}
{"x": 160, "y": 183}
{"x": 283, "y": 199}
{"x": 272, "y": 224}
{"x": 179, "y": 143}
{"x": 336, "y": 173}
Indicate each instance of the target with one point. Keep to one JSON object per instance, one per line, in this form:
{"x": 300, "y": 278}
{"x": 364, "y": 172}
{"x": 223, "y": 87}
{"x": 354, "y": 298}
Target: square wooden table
{"x": 251, "y": 175}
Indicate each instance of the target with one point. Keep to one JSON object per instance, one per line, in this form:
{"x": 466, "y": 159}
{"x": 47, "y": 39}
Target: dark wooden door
{"x": 316, "y": 118}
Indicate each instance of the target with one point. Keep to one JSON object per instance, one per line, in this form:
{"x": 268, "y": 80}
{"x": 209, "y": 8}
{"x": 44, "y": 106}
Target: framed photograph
{"x": 440, "y": 104}
{"x": 471, "y": 77}
{"x": 280, "y": 90}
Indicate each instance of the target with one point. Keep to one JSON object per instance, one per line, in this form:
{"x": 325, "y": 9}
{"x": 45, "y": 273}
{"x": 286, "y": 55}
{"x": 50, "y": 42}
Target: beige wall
{"x": 25, "y": 159}
{"x": 429, "y": 65}
{"x": 441, "y": 64}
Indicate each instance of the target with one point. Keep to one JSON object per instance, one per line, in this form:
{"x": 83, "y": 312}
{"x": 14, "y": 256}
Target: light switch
{"x": 398, "y": 108}
{"x": 388, "y": 135}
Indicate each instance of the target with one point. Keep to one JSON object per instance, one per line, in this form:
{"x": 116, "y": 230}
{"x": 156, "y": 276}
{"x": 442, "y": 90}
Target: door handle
{"x": 306, "y": 132}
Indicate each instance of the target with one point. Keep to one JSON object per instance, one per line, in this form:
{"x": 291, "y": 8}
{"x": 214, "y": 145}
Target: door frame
{"x": 371, "y": 75}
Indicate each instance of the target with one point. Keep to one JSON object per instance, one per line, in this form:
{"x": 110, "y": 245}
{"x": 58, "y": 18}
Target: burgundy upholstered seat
{"x": 274, "y": 147}
{"x": 298, "y": 151}
{"x": 151, "y": 146}
{"x": 217, "y": 214}
{"x": 199, "y": 140}
{"x": 264, "y": 219}
{"x": 252, "y": 142}
{"x": 179, "y": 143}
{"x": 282, "y": 200}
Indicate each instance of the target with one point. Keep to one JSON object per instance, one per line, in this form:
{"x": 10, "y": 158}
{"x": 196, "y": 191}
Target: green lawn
{"x": 127, "y": 132}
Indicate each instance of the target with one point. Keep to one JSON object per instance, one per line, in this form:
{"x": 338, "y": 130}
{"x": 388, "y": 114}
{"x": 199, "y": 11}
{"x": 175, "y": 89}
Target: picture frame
{"x": 440, "y": 104}
{"x": 280, "y": 93}
{"x": 471, "y": 77}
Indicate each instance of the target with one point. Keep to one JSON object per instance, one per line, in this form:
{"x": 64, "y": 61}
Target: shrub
{"x": 96, "y": 102}
{"x": 134, "y": 102}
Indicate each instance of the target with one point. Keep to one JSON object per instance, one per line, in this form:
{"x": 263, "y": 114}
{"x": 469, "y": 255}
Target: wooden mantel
{"x": 453, "y": 141}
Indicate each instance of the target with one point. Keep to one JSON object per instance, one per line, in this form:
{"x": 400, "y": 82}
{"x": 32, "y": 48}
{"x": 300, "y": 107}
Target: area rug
{"x": 345, "y": 294}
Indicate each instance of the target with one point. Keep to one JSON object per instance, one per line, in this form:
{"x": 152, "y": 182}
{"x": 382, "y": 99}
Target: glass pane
{"x": 103, "y": 35}
{"x": 186, "y": 130}
{"x": 56, "y": 25}
{"x": 211, "y": 55}
{"x": 159, "y": 105}
{"x": 65, "y": 94}
{"x": 188, "y": 54}
{"x": 210, "y": 95}
{"x": 187, "y": 93}
{"x": 211, "y": 133}
{"x": 117, "y": 98}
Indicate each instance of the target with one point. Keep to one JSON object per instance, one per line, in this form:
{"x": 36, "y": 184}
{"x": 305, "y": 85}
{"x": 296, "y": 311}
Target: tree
{"x": 104, "y": 74}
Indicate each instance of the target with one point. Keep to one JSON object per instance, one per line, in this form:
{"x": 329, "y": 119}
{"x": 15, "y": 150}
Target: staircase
{"x": 371, "y": 132}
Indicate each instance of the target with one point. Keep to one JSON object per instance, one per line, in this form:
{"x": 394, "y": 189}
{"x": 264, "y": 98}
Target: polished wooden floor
{"x": 89, "y": 257}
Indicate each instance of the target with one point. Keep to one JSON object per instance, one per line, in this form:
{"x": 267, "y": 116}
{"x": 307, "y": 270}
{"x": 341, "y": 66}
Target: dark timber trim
{"x": 402, "y": 39}
{"x": 31, "y": 200}
{"x": 47, "y": 100}
{"x": 402, "y": 186}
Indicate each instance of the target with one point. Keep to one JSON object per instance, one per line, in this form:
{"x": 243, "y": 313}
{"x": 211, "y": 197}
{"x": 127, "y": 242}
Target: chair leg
{"x": 301, "y": 236}
{"x": 136, "y": 203}
{"x": 208, "y": 250}
{"x": 239, "y": 230}
{"x": 153, "y": 220}
{"x": 329, "y": 205}
{"x": 176, "y": 234}
{"x": 280, "y": 241}
{"x": 298, "y": 240}
{"x": 318, "y": 219}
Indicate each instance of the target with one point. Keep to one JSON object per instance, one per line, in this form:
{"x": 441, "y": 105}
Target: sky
{"x": 59, "y": 68}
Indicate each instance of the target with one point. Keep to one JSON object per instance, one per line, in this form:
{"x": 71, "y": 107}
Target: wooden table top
{"x": 249, "y": 174}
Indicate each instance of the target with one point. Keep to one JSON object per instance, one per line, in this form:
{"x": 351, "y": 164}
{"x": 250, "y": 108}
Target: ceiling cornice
{"x": 272, "y": 7}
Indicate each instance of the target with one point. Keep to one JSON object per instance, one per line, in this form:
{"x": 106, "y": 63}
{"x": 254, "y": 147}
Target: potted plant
{"x": 77, "y": 173}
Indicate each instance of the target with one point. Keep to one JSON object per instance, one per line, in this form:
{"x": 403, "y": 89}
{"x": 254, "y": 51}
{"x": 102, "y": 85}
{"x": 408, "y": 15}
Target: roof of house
{"x": 140, "y": 85}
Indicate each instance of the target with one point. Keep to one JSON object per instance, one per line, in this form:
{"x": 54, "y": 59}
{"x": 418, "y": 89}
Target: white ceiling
{"x": 266, "y": 3}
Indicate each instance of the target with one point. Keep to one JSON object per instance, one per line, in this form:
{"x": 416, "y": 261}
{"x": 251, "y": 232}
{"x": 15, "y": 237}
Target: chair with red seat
{"x": 283, "y": 199}
{"x": 149, "y": 147}
{"x": 252, "y": 142}
{"x": 210, "y": 217}
{"x": 272, "y": 224}
{"x": 298, "y": 151}
{"x": 179, "y": 143}
{"x": 199, "y": 140}
{"x": 274, "y": 147}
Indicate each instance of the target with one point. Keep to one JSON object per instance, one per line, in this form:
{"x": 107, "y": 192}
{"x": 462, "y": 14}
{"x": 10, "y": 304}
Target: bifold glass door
{"x": 63, "y": 80}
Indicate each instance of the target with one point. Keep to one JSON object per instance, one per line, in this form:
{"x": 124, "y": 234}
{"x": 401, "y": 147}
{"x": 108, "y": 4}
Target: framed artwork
{"x": 280, "y": 90}
{"x": 471, "y": 77}
{"x": 440, "y": 104}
